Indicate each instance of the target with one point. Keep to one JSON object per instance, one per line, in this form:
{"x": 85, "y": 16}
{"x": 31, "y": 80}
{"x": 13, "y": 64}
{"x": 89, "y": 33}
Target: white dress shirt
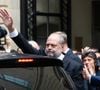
{"x": 14, "y": 33}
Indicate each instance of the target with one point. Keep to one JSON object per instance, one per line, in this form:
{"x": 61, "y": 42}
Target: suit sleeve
{"x": 75, "y": 70}
{"x": 25, "y": 46}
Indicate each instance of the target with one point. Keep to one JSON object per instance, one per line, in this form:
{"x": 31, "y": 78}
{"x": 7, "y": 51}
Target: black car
{"x": 32, "y": 72}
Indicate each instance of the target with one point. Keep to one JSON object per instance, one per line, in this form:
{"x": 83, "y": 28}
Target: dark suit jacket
{"x": 72, "y": 56}
{"x": 94, "y": 83}
{"x": 88, "y": 86}
{"x": 74, "y": 68}
{"x": 95, "y": 80}
{"x": 26, "y": 47}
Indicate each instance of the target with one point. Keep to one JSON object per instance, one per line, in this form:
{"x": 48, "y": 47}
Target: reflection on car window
{"x": 14, "y": 80}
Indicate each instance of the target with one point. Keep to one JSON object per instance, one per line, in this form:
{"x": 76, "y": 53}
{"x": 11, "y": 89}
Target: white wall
{"x": 81, "y": 21}
{"x": 13, "y": 7}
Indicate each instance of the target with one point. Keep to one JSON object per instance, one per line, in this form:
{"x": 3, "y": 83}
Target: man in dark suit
{"x": 67, "y": 51}
{"x": 72, "y": 63}
{"x": 54, "y": 48}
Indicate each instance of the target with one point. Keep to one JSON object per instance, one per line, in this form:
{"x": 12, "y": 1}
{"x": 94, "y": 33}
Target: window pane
{"x": 48, "y": 6}
{"x": 45, "y": 26}
{"x": 41, "y": 30}
{"x": 54, "y": 6}
{"x": 55, "y": 24}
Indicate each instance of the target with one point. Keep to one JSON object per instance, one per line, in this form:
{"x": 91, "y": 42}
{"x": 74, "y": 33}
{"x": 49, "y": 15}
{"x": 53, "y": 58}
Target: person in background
{"x": 89, "y": 61}
{"x": 34, "y": 44}
{"x": 89, "y": 49}
{"x": 93, "y": 80}
{"x": 8, "y": 46}
{"x": 78, "y": 53}
{"x": 97, "y": 53}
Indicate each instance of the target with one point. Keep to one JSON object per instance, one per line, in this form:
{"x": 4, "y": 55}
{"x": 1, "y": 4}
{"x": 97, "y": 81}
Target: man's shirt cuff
{"x": 14, "y": 33}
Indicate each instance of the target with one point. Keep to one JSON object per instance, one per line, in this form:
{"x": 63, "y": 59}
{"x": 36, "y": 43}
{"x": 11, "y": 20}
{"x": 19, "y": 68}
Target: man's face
{"x": 53, "y": 46}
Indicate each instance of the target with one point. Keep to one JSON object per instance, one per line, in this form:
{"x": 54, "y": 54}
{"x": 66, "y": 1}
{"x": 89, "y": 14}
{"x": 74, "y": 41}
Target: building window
{"x": 41, "y": 17}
